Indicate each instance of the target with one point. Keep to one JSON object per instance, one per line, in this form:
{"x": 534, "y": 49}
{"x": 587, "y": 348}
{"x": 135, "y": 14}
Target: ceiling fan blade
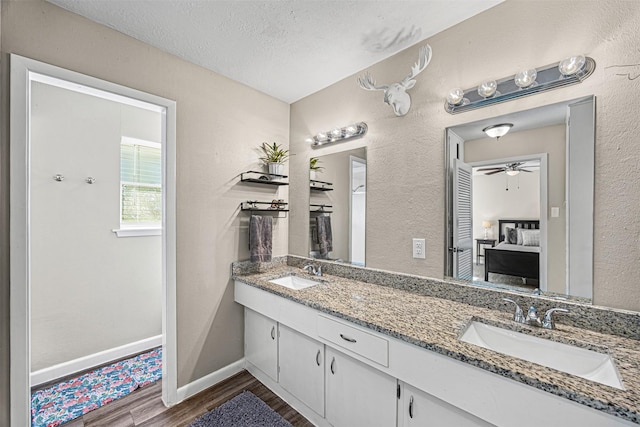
{"x": 494, "y": 172}
{"x": 489, "y": 169}
{"x": 524, "y": 170}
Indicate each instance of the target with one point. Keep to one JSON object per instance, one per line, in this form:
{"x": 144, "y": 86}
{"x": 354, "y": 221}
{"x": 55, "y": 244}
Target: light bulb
{"x": 455, "y": 96}
{"x": 350, "y": 130}
{"x": 572, "y": 65}
{"x": 321, "y": 136}
{"x": 309, "y": 140}
{"x": 487, "y": 89}
{"x": 525, "y": 78}
{"x": 336, "y": 133}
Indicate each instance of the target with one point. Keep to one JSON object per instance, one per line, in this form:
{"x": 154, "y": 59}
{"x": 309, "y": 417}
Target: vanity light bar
{"x": 528, "y": 82}
{"x": 355, "y": 130}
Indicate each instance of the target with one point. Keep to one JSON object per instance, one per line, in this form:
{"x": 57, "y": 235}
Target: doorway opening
{"x": 58, "y": 184}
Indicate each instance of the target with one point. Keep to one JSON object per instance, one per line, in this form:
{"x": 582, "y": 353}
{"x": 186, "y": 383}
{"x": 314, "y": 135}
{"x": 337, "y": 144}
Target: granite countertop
{"x": 435, "y": 324}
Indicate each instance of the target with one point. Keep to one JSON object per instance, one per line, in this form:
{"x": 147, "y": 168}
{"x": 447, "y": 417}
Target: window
{"x": 140, "y": 184}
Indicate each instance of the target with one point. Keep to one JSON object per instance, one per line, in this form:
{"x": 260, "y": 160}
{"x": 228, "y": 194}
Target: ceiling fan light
{"x": 496, "y": 131}
{"x": 512, "y": 172}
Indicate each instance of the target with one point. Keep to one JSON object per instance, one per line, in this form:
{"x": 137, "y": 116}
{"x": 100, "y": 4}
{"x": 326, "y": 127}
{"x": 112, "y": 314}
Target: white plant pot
{"x": 276, "y": 169}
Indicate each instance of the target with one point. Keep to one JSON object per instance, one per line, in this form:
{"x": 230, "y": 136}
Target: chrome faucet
{"x": 547, "y": 320}
{"x": 518, "y": 316}
{"x": 532, "y": 317}
{"x": 312, "y": 270}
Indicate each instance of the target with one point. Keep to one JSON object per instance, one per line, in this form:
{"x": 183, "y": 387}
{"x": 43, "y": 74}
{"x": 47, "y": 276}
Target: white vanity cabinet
{"x": 419, "y": 409}
{"x": 358, "y": 395}
{"x": 261, "y": 342}
{"x": 302, "y": 366}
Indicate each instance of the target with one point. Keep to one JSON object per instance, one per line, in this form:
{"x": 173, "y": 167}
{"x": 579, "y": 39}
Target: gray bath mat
{"x": 244, "y": 410}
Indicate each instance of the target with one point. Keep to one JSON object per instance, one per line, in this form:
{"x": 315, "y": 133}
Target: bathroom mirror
{"x": 539, "y": 178}
{"x": 337, "y": 206}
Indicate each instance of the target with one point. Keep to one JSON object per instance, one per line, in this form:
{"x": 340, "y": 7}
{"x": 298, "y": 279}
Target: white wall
{"x": 491, "y": 200}
{"x": 91, "y": 291}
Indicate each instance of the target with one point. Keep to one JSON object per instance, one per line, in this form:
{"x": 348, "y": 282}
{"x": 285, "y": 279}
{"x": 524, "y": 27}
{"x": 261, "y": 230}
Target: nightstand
{"x": 480, "y": 243}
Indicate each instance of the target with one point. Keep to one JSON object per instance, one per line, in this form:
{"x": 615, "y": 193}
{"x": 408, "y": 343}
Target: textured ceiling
{"x": 287, "y": 49}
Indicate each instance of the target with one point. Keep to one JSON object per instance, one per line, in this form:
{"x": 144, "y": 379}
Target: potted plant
{"x": 314, "y": 167}
{"x": 274, "y": 156}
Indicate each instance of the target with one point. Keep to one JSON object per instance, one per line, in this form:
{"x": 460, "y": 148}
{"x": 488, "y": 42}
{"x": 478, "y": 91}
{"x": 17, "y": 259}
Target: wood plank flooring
{"x": 144, "y": 406}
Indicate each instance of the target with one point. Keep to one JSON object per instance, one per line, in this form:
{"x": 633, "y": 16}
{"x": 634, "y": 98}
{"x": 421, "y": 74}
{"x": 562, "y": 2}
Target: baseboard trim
{"x": 87, "y": 362}
{"x": 195, "y": 387}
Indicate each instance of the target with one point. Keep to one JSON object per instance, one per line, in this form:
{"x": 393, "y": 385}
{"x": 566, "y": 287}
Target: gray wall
{"x": 405, "y": 156}
{"x": 219, "y": 123}
{"x": 85, "y": 281}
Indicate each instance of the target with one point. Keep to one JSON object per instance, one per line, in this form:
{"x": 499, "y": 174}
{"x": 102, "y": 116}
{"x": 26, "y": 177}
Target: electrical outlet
{"x": 419, "y": 248}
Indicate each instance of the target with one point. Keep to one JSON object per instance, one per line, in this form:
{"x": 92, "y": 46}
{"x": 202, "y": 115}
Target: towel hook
{"x": 58, "y": 177}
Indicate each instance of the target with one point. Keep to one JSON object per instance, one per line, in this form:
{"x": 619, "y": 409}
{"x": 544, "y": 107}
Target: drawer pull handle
{"x": 411, "y": 407}
{"x": 273, "y": 333}
{"x": 333, "y": 361}
{"x": 347, "y": 338}
{"x": 318, "y": 358}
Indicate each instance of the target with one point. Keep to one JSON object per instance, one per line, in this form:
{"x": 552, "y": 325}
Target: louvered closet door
{"x": 462, "y": 227}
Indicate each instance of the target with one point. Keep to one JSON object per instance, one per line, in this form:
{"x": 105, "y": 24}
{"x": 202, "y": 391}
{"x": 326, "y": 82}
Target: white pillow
{"x": 531, "y": 237}
{"x": 520, "y": 239}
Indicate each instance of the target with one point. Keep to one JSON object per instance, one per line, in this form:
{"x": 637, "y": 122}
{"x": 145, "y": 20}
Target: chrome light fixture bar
{"x": 355, "y": 130}
{"x": 567, "y": 72}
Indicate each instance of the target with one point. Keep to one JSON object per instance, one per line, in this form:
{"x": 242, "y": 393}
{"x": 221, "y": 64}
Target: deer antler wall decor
{"x": 396, "y": 94}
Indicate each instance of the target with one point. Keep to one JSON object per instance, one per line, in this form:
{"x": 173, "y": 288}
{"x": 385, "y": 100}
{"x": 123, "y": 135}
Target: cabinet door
{"x": 261, "y": 342}
{"x": 358, "y": 395}
{"x": 301, "y": 361}
{"x": 420, "y": 409}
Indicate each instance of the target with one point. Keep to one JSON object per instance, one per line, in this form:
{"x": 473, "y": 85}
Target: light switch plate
{"x": 555, "y": 212}
{"x": 419, "y": 248}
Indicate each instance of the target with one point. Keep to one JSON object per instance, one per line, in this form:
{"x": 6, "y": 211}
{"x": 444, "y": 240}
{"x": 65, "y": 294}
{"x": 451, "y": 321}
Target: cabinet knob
{"x": 318, "y": 358}
{"x": 333, "y": 370}
{"x": 273, "y": 333}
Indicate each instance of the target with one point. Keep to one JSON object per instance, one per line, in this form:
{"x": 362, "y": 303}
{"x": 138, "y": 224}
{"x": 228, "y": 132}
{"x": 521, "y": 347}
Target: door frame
{"x": 21, "y": 70}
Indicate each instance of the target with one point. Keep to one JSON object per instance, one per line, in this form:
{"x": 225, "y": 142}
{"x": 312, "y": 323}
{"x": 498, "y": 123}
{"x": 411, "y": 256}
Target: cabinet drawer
{"x": 359, "y": 342}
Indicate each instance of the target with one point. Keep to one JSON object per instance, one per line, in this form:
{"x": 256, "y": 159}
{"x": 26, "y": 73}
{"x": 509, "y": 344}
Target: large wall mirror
{"x": 337, "y": 206}
{"x": 520, "y": 207}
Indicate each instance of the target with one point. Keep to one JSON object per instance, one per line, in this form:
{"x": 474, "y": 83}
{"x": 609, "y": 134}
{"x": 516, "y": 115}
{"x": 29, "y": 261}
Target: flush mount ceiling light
{"x": 496, "y": 131}
{"x": 569, "y": 71}
{"x": 338, "y": 134}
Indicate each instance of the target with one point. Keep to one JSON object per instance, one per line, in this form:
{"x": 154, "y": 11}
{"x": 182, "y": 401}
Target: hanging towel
{"x": 260, "y": 238}
{"x": 325, "y": 237}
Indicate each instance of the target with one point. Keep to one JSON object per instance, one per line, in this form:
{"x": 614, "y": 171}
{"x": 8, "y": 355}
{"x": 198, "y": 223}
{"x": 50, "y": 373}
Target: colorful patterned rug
{"x": 71, "y": 399}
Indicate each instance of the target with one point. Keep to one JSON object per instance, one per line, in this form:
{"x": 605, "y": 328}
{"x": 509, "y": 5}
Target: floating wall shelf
{"x": 320, "y": 185}
{"x": 254, "y": 206}
{"x": 263, "y": 178}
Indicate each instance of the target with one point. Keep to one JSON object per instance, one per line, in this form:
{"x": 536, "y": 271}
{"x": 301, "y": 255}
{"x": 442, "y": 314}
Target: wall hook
{"x": 58, "y": 177}
{"x": 90, "y": 180}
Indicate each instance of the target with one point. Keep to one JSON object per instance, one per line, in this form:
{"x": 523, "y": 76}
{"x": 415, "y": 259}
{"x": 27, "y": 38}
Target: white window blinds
{"x": 140, "y": 183}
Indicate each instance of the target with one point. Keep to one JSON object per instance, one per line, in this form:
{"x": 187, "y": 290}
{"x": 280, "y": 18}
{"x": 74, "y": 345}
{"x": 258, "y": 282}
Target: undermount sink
{"x": 294, "y": 282}
{"x": 588, "y": 364}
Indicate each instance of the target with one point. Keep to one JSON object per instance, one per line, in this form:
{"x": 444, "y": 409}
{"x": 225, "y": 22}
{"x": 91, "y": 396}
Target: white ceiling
{"x": 286, "y": 48}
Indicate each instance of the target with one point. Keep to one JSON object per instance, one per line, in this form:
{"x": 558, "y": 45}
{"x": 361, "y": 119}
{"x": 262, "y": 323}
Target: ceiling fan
{"x": 510, "y": 169}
